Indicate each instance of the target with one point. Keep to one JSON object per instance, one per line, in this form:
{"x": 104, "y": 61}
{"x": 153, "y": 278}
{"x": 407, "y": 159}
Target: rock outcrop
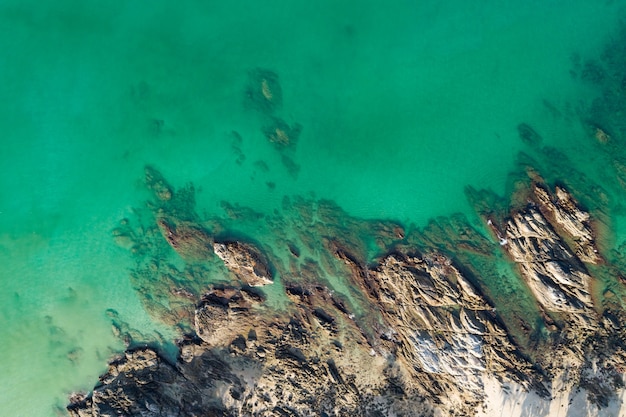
{"x": 246, "y": 365}
{"x": 414, "y": 330}
{"x": 439, "y": 337}
{"x": 557, "y": 278}
{"x": 566, "y": 215}
{"x": 445, "y": 333}
{"x": 245, "y": 261}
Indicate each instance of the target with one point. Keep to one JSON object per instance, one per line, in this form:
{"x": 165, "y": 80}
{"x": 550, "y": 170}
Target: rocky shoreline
{"x": 309, "y": 311}
{"x": 417, "y": 334}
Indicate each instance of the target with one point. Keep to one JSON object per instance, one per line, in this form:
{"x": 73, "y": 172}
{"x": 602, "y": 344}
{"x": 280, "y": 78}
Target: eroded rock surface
{"x": 245, "y": 261}
{"x": 413, "y": 332}
{"x": 289, "y": 366}
{"x": 571, "y": 219}
{"x": 444, "y": 330}
{"x": 556, "y": 277}
{"x": 439, "y": 337}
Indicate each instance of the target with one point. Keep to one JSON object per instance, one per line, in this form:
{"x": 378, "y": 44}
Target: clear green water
{"x": 402, "y": 105}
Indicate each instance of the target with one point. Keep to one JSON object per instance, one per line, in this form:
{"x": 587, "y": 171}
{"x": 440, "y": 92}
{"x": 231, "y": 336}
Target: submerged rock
{"x": 281, "y": 133}
{"x": 188, "y": 240}
{"x": 528, "y": 134}
{"x": 155, "y": 182}
{"x": 264, "y": 92}
{"x": 601, "y": 136}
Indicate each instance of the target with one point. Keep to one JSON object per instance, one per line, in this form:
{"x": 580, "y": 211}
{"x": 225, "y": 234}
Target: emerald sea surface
{"x": 402, "y": 104}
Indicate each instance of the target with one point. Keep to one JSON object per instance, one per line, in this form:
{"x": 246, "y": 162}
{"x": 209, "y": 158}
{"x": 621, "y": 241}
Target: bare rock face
{"x": 245, "y": 261}
{"x": 222, "y": 313}
{"x": 551, "y": 241}
{"x": 290, "y": 365}
{"x": 142, "y": 383}
{"x": 557, "y": 278}
{"x": 565, "y": 213}
{"x": 444, "y": 330}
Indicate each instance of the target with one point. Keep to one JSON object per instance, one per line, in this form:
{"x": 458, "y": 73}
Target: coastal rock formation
{"x": 245, "y": 261}
{"x": 142, "y": 383}
{"x": 223, "y": 313}
{"x": 539, "y": 238}
{"x": 253, "y": 367}
{"x": 443, "y": 330}
{"x": 558, "y": 279}
{"x": 519, "y": 311}
{"x": 565, "y": 213}
{"x": 192, "y": 242}
{"x": 188, "y": 240}
{"x": 439, "y": 338}
{"x": 413, "y": 331}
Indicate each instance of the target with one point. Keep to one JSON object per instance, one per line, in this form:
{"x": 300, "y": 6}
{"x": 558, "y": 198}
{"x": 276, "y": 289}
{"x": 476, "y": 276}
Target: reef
{"x": 263, "y": 95}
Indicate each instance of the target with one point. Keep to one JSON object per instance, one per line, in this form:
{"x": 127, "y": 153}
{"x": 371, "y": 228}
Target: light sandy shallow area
{"x": 512, "y": 400}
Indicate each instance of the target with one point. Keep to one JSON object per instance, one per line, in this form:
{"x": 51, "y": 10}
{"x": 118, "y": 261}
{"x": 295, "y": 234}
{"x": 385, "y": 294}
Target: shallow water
{"x": 401, "y": 107}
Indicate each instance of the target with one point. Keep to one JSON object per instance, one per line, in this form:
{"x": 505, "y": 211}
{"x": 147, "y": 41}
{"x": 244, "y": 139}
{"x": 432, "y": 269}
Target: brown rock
{"x": 567, "y": 217}
{"x": 245, "y": 261}
{"x": 189, "y": 240}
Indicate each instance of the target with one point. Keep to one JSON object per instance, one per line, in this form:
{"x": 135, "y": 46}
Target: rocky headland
{"x": 415, "y": 331}
{"x": 309, "y": 311}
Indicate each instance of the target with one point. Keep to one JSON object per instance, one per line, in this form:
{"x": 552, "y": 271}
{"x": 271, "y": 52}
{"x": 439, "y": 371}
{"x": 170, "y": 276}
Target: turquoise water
{"x": 401, "y": 107}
